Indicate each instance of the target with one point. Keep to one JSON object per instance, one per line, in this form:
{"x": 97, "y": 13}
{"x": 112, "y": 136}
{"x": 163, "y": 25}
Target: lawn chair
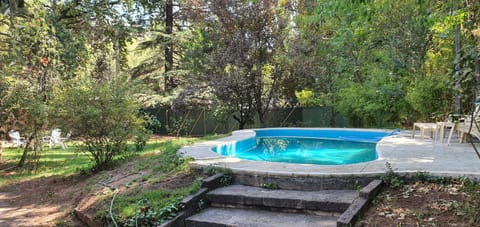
{"x": 15, "y": 138}
{"x": 56, "y": 138}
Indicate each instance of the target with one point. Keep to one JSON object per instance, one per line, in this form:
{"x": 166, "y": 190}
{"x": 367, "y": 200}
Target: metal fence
{"x": 201, "y": 121}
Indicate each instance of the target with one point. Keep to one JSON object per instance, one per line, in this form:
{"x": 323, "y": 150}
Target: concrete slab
{"x": 405, "y": 154}
{"x": 256, "y": 218}
{"x": 241, "y": 195}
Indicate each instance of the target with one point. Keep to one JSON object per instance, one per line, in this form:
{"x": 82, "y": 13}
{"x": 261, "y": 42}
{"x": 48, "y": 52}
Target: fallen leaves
{"x": 398, "y": 213}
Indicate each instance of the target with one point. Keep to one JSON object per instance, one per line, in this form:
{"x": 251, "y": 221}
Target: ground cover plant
{"x": 430, "y": 201}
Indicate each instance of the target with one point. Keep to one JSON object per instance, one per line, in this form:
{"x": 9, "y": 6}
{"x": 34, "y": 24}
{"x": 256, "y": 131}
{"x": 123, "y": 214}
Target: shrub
{"x": 392, "y": 179}
{"x": 103, "y": 115}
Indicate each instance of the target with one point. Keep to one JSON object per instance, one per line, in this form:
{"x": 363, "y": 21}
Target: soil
{"x": 422, "y": 204}
{"x": 42, "y": 202}
{"x": 50, "y": 201}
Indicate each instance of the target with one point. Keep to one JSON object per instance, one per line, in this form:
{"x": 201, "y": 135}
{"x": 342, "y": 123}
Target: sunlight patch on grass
{"x": 52, "y": 162}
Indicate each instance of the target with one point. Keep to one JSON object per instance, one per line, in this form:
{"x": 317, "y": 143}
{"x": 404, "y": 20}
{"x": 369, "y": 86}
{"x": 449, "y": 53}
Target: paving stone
{"x": 213, "y": 217}
{"x": 326, "y": 200}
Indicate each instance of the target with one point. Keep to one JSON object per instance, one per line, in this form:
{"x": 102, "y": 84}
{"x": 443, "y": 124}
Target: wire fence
{"x": 202, "y": 121}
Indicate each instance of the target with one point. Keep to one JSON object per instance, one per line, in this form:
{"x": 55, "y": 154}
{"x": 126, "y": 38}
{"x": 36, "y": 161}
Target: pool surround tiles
{"x": 406, "y": 155}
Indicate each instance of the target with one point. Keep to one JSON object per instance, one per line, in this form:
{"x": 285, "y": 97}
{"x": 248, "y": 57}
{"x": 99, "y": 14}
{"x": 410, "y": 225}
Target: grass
{"x": 64, "y": 162}
{"x": 53, "y": 162}
{"x": 159, "y": 161}
{"x": 167, "y": 175}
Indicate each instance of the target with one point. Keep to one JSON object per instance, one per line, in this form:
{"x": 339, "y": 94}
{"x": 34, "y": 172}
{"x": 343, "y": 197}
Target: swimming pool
{"x": 307, "y": 146}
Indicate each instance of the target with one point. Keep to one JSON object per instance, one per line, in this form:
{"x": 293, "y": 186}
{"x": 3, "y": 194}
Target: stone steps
{"x": 240, "y": 205}
{"x": 334, "y": 201}
{"x": 219, "y": 217}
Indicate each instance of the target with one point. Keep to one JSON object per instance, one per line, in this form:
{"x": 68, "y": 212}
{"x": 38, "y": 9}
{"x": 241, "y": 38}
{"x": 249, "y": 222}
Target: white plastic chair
{"x": 16, "y": 138}
{"x": 56, "y": 138}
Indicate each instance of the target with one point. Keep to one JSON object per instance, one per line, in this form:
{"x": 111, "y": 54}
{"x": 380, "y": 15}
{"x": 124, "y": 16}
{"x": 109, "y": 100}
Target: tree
{"x": 368, "y": 55}
{"x": 467, "y": 59}
{"x": 242, "y": 42}
{"x": 27, "y": 52}
{"x": 41, "y": 45}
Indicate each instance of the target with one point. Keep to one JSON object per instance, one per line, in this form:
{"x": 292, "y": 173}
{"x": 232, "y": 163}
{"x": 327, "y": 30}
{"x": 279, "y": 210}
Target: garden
{"x": 127, "y": 83}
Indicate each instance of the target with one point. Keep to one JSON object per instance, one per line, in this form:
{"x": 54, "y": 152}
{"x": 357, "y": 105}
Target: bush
{"x": 103, "y": 115}
{"x": 430, "y": 97}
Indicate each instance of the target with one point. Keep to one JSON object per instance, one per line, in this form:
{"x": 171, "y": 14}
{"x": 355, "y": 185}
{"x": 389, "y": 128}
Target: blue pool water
{"x": 309, "y": 146}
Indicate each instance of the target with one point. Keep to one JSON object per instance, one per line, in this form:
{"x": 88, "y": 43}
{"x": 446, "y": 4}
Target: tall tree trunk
{"x": 169, "y": 82}
{"x": 1, "y": 151}
{"x": 117, "y": 56}
{"x": 477, "y": 70}
{"x": 457, "y": 71}
{"x": 333, "y": 117}
{"x": 21, "y": 163}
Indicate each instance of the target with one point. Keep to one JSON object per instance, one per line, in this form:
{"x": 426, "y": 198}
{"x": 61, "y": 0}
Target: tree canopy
{"x": 379, "y": 63}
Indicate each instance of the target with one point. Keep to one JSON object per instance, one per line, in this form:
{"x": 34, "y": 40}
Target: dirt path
{"x": 41, "y": 202}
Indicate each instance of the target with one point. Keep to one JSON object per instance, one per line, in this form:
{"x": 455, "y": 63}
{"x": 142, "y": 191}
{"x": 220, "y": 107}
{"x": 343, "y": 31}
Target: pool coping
{"x": 406, "y": 155}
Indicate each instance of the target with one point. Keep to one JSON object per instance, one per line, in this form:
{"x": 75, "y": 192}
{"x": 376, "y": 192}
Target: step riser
{"x": 190, "y": 223}
{"x": 304, "y": 183}
{"x": 213, "y": 217}
{"x": 276, "y": 203}
{"x": 273, "y": 209}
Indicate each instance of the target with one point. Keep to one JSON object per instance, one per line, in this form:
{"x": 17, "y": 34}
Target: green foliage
{"x": 227, "y": 174}
{"x": 423, "y": 176}
{"x": 145, "y": 216}
{"x": 149, "y": 125}
{"x": 392, "y": 179}
{"x": 472, "y": 208}
{"x": 170, "y": 160}
{"x": 308, "y": 98}
{"x": 468, "y": 61}
{"x": 222, "y": 114}
{"x": 357, "y": 186}
{"x": 270, "y": 185}
{"x": 180, "y": 126}
{"x": 153, "y": 206}
{"x": 371, "y": 105}
{"x": 430, "y": 98}
{"x": 103, "y": 115}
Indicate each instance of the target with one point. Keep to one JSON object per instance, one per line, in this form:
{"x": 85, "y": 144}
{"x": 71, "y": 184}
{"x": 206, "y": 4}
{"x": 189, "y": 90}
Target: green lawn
{"x": 56, "y": 161}
{"x": 63, "y": 162}
{"x": 165, "y": 179}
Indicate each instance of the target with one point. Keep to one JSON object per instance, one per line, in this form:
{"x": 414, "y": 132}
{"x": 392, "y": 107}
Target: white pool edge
{"x": 406, "y": 156}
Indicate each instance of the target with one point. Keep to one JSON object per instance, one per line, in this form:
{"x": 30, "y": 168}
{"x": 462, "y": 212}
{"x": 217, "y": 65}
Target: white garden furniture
{"x": 15, "y": 138}
{"x": 56, "y": 138}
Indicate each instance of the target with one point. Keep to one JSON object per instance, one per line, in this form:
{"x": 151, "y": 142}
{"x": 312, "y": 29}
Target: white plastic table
{"x": 431, "y": 127}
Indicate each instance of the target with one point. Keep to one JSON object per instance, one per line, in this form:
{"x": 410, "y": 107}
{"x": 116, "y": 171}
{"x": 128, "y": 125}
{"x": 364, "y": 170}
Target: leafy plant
{"x": 423, "y": 176}
{"x": 201, "y": 205}
{"x": 145, "y": 216}
{"x": 103, "y": 115}
{"x": 357, "y": 186}
{"x": 227, "y": 174}
{"x": 180, "y": 126}
{"x": 170, "y": 161}
{"x": 391, "y": 179}
{"x": 472, "y": 208}
{"x": 271, "y": 185}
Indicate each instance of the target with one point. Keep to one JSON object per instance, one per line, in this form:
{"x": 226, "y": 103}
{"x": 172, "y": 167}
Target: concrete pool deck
{"x": 405, "y": 154}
